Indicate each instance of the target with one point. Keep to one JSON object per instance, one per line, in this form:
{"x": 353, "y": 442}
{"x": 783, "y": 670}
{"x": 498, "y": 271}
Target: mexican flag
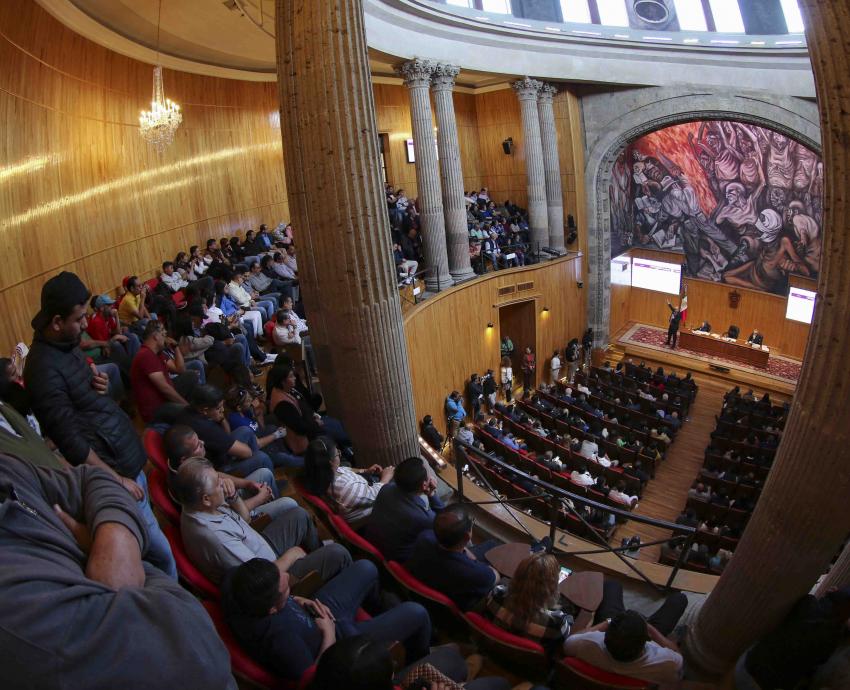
{"x": 683, "y": 308}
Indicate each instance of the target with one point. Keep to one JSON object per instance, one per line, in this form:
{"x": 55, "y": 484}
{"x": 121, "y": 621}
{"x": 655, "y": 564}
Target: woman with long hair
{"x": 529, "y": 604}
{"x": 351, "y": 491}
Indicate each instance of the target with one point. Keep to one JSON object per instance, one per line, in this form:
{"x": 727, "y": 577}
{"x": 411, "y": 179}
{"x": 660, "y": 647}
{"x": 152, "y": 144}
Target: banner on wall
{"x": 743, "y": 204}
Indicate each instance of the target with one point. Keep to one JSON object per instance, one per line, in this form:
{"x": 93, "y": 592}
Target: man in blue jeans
{"x": 287, "y": 634}
{"x": 69, "y": 398}
{"x": 234, "y": 452}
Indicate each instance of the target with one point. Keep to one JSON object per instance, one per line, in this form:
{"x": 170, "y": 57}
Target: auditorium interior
{"x": 584, "y": 258}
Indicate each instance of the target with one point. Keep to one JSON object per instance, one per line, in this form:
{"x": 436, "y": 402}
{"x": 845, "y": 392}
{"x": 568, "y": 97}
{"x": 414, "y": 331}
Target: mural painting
{"x": 744, "y": 204}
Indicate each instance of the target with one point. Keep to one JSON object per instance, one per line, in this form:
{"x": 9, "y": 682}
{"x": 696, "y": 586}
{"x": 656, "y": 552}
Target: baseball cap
{"x": 60, "y": 295}
{"x": 102, "y": 301}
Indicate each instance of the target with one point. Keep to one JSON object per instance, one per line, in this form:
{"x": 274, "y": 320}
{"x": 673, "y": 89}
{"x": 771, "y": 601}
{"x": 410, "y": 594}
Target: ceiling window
{"x": 497, "y": 6}
{"x": 727, "y": 16}
{"x": 613, "y": 12}
{"x": 575, "y": 11}
{"x": 793, "y": 18}
{"x": 691, "y": 15}
{"x": 461, "y": 3}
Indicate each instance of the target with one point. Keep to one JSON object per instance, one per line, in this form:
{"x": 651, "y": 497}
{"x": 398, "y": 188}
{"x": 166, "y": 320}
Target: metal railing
{"x": 559, "y": 499}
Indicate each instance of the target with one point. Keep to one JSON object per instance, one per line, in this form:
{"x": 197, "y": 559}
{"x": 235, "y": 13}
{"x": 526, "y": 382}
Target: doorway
{"x": 519, "y": 322}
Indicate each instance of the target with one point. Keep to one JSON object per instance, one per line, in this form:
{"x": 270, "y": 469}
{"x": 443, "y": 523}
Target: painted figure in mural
{"x": 776, "y": 258}
{"x": 703, "y": 189}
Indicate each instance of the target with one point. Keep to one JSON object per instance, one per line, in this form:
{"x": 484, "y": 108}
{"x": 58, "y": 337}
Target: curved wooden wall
{"x": 448, "y": 338}
{"x": 81, "y": 191}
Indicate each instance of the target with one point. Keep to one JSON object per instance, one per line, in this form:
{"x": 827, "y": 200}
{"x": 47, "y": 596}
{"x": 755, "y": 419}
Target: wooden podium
{"x": 708, "y": 344}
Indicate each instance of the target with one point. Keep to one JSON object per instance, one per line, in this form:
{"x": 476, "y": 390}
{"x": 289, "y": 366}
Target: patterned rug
{"x": 778, "y": 367}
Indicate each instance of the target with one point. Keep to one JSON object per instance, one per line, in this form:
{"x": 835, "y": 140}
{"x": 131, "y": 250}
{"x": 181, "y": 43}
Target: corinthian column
{"x": 457, "y": 236}
{"x": 552, "y": 166}
{"x": 526, "y": 90}
{"x": 417, "y": 78}
{"x": 335, "y": 196}
{"x": 801, "y": 519}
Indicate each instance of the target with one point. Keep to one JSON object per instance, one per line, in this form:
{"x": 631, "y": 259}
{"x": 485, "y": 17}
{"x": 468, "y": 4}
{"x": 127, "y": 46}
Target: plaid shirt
{"x": 546, "y": 626}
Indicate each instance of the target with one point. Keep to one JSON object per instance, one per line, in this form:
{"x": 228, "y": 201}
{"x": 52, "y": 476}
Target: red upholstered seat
{"x": 502, "y": 636}
{"x": 576, "y": 674}
{"x": 161, "y": 498}
{"x": 243, "y": 665}
{"x": 419, "y": 588}
{"x": 194, "y": 577}
{"x": 347, "y": 534}
{"x": 154, "y": 449}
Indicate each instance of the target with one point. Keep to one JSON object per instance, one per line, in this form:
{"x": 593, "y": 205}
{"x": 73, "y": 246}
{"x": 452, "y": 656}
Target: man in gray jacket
{"x": 79, "y": 608}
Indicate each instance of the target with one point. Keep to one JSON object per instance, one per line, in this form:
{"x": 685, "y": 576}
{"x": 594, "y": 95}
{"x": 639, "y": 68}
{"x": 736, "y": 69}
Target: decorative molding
{"x": 527, "y": 88}
{"x": 547, "y": 93}
{"x": 444, "y": 76}
{"x": 416, "y": 73}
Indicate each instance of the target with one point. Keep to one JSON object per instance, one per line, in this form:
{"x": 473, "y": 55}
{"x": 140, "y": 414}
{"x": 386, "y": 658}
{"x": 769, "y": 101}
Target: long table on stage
{"x": 718, "y": 347}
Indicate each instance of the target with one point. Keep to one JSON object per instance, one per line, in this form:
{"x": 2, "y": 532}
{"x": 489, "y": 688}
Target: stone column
{"x": 800, "y": 521}
{"x": 552, "y": 166}
{"x": 335, "y": 193}
{"x": 457, "y": 235}
{"x": 527, "y": 89}
{"x": 417, "y": 78}
{"x": 838, "y": 575}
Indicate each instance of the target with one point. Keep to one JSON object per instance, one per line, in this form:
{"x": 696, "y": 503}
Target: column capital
{"x": 416, "y": 72}
{"x": 546, "y": 93}
{"x": 527, "y": 88}
{"x": 444, "y": 75}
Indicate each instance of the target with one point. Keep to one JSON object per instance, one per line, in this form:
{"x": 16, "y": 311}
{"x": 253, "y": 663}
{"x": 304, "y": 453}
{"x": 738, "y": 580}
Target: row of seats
{"x": 527, "y": 655}
{"x": 594, "y": 380}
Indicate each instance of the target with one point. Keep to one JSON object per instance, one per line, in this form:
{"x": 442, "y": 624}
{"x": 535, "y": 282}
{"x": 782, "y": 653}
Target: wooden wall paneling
{"x": 80, "y": 190}
{"x": 499, "y": 117}
{"x": 448, "y": 339}
{"x": 392, "y": 109}
{"x": 467, "y": 132}
{"x": 619, "y": 307}
{"x": 566, "y": 106}
{"x": 710, "y": 301}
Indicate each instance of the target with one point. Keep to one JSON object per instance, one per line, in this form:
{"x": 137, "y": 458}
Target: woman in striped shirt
{"x": 351, "y": 491}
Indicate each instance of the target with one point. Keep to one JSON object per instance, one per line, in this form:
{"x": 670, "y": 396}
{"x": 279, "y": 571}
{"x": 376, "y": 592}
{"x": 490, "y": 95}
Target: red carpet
{"x": 778, "y": 367}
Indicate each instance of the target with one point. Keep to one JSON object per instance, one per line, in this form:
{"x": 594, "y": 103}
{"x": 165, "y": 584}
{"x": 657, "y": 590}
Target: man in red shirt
{"x": 103, "y": 326}
{"x": 150, "y": 374}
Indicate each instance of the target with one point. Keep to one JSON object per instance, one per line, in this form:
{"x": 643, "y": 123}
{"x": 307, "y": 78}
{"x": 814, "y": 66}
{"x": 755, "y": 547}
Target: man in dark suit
{"x": 403, "y": 509}
{"x": 755, "y": 338}
{"x": 705, "y": 328}
{"x": 673, "y": 328}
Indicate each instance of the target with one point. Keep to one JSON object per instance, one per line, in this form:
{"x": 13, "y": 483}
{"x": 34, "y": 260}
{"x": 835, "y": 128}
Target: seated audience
{"x": 245, "y": 410}
{"x": 529, "y": 604}
{"x": 350, "y": 491}
{"x": 403, "y": 509}
{"x": 430, "y": 433}
{"x": 258, "y": 490}
{"x": 625, "y": 642}
{"x": 442, "y": 560}
{"x": 581, "y": 476}
{"x": 150, "y": 374}
{"x": 618, "y": 495}
{"x": 228, "y": 450}
{"x": 288, "y": 634}
{"x": 76, "y": 578}
{"x": 218, "y": 537}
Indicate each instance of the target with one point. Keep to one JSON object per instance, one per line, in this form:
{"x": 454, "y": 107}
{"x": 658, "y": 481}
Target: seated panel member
{"x": 733, "y": 332}
{"x": 705, "y": 328}
{"x": 755, "y": 338}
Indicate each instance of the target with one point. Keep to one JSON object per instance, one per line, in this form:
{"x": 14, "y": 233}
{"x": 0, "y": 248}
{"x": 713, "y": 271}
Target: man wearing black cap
{"x": 68, "y": 399}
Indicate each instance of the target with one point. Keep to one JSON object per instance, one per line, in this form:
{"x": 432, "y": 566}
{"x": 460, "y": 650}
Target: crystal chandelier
{"x": 159, "y": 124}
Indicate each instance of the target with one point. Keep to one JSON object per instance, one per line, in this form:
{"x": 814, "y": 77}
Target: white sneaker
{"x": 270, "y": 359}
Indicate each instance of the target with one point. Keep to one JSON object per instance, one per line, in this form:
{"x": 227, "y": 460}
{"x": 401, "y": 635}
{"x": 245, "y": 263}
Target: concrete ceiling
{"x": 220, "y": 36}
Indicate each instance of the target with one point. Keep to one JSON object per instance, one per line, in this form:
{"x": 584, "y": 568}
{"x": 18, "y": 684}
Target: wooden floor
{"x": 666, "y": 494}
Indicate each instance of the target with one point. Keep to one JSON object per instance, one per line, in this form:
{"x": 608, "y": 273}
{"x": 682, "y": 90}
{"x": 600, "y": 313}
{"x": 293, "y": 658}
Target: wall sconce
{"x": 508, "y": 146}
{"x": 489, "y": 325}
{"x": 545, "y": 310}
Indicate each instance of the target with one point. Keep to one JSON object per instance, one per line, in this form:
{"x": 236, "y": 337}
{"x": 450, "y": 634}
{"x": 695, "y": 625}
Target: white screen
{"x": 656, "y": 275}
{"x": 621, "y": 270}
{"x": 801, "y": 305}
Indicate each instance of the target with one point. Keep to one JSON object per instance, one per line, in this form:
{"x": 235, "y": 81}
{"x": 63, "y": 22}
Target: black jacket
{"x": 74, "y": 415}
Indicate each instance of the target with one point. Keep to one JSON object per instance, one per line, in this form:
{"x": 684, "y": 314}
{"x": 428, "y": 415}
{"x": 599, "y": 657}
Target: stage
{"x": 640, "y": 341}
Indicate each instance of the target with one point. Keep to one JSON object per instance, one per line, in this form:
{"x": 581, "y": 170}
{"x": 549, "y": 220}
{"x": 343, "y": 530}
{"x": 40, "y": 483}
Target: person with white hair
{"x": 776, "y": 258}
